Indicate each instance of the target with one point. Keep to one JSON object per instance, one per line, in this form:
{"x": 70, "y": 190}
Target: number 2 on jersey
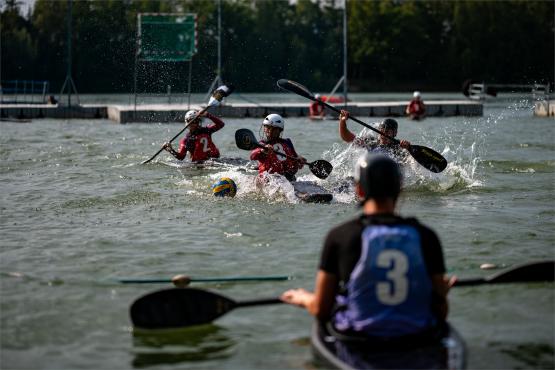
{"x": 204, "y": 142}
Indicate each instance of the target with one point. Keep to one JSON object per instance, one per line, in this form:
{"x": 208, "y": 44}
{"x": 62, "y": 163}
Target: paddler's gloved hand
{"x": 302, "y": 162}
{"x": 168, "y": 147}
{"x": 404, "y": 144}
{"x": 267, "y": 148}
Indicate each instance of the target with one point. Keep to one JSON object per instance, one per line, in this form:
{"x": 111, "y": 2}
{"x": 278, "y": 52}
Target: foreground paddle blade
{"x": 245, "y": 139}
{"x": 296, "y": 88}
{"x": 321, "y": 168}
{"x": 178, "y": 307}
{"x": 525, "y": 273}
{"x": 428, "y": 158}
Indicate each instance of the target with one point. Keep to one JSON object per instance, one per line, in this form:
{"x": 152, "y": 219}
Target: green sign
{"x": 165, "y": 37}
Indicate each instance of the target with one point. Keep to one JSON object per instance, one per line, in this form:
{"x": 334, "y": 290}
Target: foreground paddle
{"x": 206, "y": 280}
{"x": 217, "y": 96}
{"x": 181, "y": 307}
{"x": 245, "y": 139}
{"x": 524, "y": 273}
{"x": 427, "y": 157}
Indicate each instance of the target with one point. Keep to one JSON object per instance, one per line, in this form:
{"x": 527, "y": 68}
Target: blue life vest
{"x": 389, "y": 292}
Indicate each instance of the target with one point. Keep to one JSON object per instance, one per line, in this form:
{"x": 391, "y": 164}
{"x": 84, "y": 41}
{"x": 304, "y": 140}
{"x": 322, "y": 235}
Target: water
{"x": 78, "y": 210}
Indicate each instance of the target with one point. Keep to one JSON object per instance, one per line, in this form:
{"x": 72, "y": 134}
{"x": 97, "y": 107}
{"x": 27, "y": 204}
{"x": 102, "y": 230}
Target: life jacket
{"x": 274, "y": 163}
{"x": 316, "y": 109}
{"x": 389, "y": 292}
{"x": 201, "y": 146}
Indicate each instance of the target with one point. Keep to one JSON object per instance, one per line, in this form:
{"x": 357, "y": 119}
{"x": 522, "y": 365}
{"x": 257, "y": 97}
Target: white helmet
{"x": 274, "y": 120}
{"x": 190, "y": 115}
{"x": 317, "y": 96}
{"x": 416, "y": 94}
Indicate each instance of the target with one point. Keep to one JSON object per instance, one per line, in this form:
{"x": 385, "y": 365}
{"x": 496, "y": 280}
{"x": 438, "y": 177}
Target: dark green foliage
{"x": 392, "y": 45}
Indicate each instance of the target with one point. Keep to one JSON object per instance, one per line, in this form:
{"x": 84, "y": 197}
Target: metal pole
{"x": 345, "y": 54}
{"x": 189, "y": 83}
{"x": 137, "y": 40}
{"x": 69, "y": 51}
{"x": 219, "y": 42}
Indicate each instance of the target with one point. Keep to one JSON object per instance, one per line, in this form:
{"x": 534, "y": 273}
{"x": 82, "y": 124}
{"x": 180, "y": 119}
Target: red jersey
{"x": 416, "y": 108}
{"x": 199, "y": 143}
{"x": 274, "y": 163}
{"x": 316, "y": 109}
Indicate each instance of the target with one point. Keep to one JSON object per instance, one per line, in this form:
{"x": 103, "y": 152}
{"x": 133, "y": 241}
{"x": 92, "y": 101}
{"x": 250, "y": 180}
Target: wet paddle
{"x": 217, "y": 96}
{"x": 524, "y": 273}
{"x": 427, "y": 157}
{"x": 245, "y": 139}
{"x": 205, "y": 280}
{"x": 181, "y": 307}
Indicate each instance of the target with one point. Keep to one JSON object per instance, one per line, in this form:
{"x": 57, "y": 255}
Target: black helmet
{"x": 389, "y": 124}
{"x": 379, "y": 176}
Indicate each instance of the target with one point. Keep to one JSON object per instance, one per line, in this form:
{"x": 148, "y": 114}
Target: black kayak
{"x": 448, "y": 351}
{"x": 310, "y": 192}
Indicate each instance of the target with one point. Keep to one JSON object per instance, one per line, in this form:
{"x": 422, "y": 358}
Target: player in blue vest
{"x": 380, "y": 276}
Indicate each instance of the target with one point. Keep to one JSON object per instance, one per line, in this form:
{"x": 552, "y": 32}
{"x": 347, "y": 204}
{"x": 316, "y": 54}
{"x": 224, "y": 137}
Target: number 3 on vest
{"x": 396, "y": 289}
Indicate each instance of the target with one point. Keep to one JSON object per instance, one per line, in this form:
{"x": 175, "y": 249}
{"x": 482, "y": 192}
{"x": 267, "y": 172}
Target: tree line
{"x": 393, "y": 45}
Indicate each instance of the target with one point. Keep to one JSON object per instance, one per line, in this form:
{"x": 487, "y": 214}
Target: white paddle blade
{"x": 218, "y": 95}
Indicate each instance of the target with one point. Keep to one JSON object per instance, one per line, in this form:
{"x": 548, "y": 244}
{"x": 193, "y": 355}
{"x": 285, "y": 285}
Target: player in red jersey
{"x": 268, "y": 160}
{"x": 198, "y": 141}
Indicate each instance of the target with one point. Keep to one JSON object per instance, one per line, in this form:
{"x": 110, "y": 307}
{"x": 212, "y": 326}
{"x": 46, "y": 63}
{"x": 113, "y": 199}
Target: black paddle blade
{"x": 320, "y": 168}
{"x": 178, "y": 307}
{"x": 428, "y": 158}
{"x": 245, "y": 139}
{"x": 524, "y": 273}
{"x": 296, "y": 88}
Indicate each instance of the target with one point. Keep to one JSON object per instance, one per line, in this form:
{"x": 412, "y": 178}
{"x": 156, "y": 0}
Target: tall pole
{"x": 219, "y": 77}
{"x": 345, "y": 86}
{"x": 69, "y": 81}
{"x": 68, "y": 75}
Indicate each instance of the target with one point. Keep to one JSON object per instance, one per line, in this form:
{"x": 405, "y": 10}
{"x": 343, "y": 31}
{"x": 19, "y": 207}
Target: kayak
{"x": 448, "y": 351}
{"x": 310, "y": 192}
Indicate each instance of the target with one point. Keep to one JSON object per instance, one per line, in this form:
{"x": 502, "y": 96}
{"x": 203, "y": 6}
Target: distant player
{"x": 382, "y": 143}
{"x": 198, "y": 141}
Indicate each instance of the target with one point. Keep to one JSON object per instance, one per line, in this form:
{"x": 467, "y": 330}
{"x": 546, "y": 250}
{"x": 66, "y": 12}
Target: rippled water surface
{"x": 79, "y": 211}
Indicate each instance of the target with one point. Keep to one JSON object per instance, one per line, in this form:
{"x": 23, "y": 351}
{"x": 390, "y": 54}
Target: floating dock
{"x": 157, "y": 113}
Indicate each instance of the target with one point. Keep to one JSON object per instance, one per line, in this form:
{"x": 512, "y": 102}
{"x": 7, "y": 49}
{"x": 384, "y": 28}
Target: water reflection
{"x": 200, "y": 343}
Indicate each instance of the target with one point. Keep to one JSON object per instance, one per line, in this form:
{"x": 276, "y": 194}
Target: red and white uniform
{"x": 416, "y": 108}
{"x": 316, "y": 109}
{"x": 199, "y": 143}
{"x": 273, "y": 163}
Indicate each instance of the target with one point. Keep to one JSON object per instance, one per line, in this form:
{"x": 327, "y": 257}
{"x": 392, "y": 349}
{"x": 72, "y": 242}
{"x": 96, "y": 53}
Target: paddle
{"x": 427, "y": 157}
{"x": 205, "y": 280}
{"x": 217, "y": 96}
{"x": 524, "y": 273}
{"x": 245, "y": 139}
{"x": 181, "y": 307}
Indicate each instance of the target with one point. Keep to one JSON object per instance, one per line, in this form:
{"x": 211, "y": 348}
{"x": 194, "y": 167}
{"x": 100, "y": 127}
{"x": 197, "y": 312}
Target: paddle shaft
{"x": 357, "y": 120}
{"x": 283, "y": 154}
{"x": 258, "y": 302}
{"x": 207, "y": 280}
